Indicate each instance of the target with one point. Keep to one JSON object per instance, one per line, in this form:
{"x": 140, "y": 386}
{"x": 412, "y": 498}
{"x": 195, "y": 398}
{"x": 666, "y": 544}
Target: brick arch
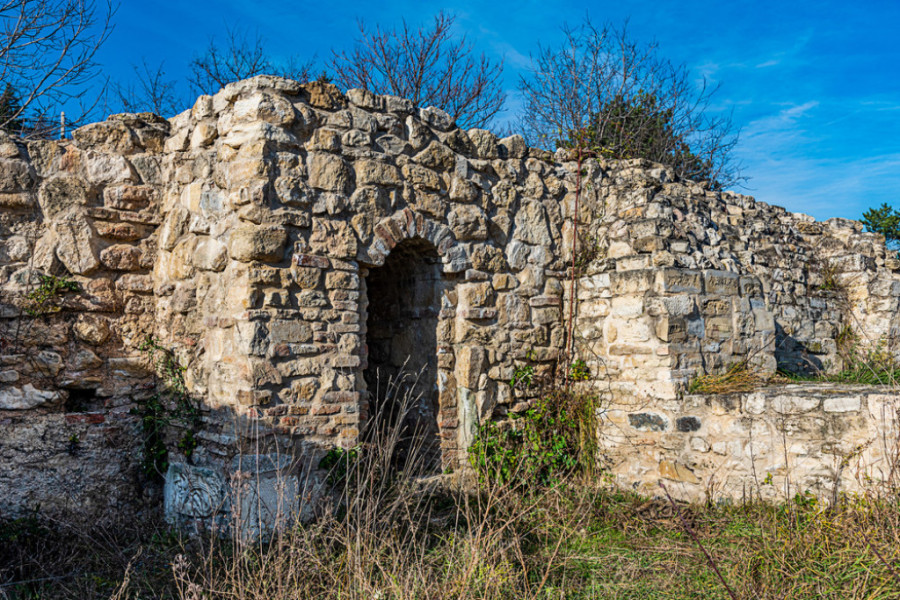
{"x": 408, "y": 224}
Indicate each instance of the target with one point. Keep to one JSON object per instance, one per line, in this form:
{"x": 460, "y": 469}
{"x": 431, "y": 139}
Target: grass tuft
{"x": 740, "y": 377}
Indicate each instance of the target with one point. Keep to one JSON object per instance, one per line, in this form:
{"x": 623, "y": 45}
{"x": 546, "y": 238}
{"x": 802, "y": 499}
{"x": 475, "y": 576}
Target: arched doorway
{"x": 402, "y": 308}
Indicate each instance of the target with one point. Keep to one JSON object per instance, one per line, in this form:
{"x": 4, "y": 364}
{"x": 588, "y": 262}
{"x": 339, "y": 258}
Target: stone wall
{"x": 289, "y": 243}
{"x": 686, "y": 281}
{"x": 88, "y": 210}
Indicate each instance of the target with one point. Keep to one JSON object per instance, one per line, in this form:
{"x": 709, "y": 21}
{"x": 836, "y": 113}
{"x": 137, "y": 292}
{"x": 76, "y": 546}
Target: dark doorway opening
{"x": 401, "y": 333}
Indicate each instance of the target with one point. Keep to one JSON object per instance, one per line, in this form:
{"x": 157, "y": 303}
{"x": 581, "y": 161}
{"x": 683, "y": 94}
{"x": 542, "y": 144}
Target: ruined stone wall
{"x": 687, "y": 281}
{"x": 85, "y": 211}
{"x": 287, "y": 241}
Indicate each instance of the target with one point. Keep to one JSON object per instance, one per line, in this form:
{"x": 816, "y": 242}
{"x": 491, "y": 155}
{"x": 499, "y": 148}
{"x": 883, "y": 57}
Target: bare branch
{"x": 604, "y": 87}
{"x": 244, "y": 55}
{"x": 426, "y": 65}
{"x": 47, "y": 56}
{"x": 151, "y": 91}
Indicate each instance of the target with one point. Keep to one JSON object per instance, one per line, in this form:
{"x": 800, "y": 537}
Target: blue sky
{"x": 814, "y": 86}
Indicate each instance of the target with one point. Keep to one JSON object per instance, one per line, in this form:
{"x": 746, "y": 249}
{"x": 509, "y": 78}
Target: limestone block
{"x": 437, "y": 156}
{"x": 422, "y": 177}
{"x": 121, "y": 257}
{"x": 210, "y": 255}
{"x": 365, "y": 99}
{"x": 468, "y": 223}
{"x": 485, "y": 143}
{"x": 323, "y": 95}
{"x": 26, "y": 397}
{"x": 107, "y": 168}
{"x": 393, "y": 145}
{"x": 76, "y": 244}
{"x": 333, "y": 238}
{"x": 676, "y": 472}
{"x": 84, "y": 359}
{"x": 266, "y": 243}
{"x": 785, "y": 404}
{"x": 721, "y": 282}
{"x": 106, "y": 136}
{"x": 179, "y": 264}
{"x": 679, "y": 281}
{"x": 470, "y": 364}
{"x": 128, "y": 197}
{"x": 513, "y": 147}
{"x": 62, "y": 194}
{"x": 272, "y": 108}
{"x": 531, "y": 224}
{"x": 841, "y": 404}
{"x": 755, "y": 404}
{"x": 435, "y": 118}
{"x": 173, "y": 227}
{"x": 328, "y": 172}
{"x": 631, "y": 282}
{"x": 372, "y": 172}
{"x": 92, "y": 329}
{"x": 246, "y": 134}
{"x": 204, "y": 133}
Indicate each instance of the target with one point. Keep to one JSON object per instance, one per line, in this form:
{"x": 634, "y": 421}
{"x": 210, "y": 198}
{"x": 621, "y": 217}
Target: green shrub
{"x": 553, "y": 438}
{"x": 44, "y": 299}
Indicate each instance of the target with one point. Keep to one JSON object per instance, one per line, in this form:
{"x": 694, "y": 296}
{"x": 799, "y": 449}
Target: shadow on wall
{"x": 792, "y": 356}
{"x": 261, "y": 493}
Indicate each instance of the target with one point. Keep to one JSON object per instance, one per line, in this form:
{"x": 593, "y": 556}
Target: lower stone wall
{"x": 74, "y": 466}
{"x": 769, "y": 444}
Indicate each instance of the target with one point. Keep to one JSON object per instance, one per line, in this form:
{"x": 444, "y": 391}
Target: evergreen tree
{"x": 886, "y": 221}
{"x": 639, "y": 127}
{"x": 11, "y": 119}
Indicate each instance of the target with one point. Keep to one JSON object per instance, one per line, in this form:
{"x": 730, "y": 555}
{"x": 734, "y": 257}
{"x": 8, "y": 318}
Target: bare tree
{"x": 426, "y": 65}
{"x": 604, "y": 92}
{"x": 47, "y": 56}
{"x": 244, "y": 55}
{"x": 151, "y": 91}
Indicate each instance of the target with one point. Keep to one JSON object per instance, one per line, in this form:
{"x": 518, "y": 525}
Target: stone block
{"x": 193, "y": 494}
{"x": 266, "y": 243}
{"x": 121, "y": 257}
{"x": 631, "y": 282}
{"x": 677, "y": 472}
{"x": 724, "y": 283}
{"x": 26, "y": 397}
{"x": 648, "y": 422}
{"x": 791, "y": 405}
{"x": 678, "y": 281}
{"x": 841, "y": 404}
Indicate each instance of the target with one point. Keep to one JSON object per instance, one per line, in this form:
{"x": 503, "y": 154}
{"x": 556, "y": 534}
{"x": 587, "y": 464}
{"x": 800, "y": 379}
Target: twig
{"x": 880, "y": 557}
{"x": 697, "y": 541}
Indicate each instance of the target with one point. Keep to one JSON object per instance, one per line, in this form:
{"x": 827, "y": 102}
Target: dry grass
{"x": 392, "y": 535}
{"x": 571, "y": 541}
{"x": 740, "y": 377}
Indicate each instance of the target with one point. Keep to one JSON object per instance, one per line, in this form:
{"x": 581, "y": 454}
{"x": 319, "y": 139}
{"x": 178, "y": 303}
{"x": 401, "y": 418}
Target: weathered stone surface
{"x": 62, "y": 194}
{"x": 328, "y": 172}
{"x": 26, "y": 397}
{"x": 257, "y": 243}
{"x": 210, "y": 255}
{"x": 91, "y": 329}
{"x": 121, "y": 257}
{"x": 76, "y": 244}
